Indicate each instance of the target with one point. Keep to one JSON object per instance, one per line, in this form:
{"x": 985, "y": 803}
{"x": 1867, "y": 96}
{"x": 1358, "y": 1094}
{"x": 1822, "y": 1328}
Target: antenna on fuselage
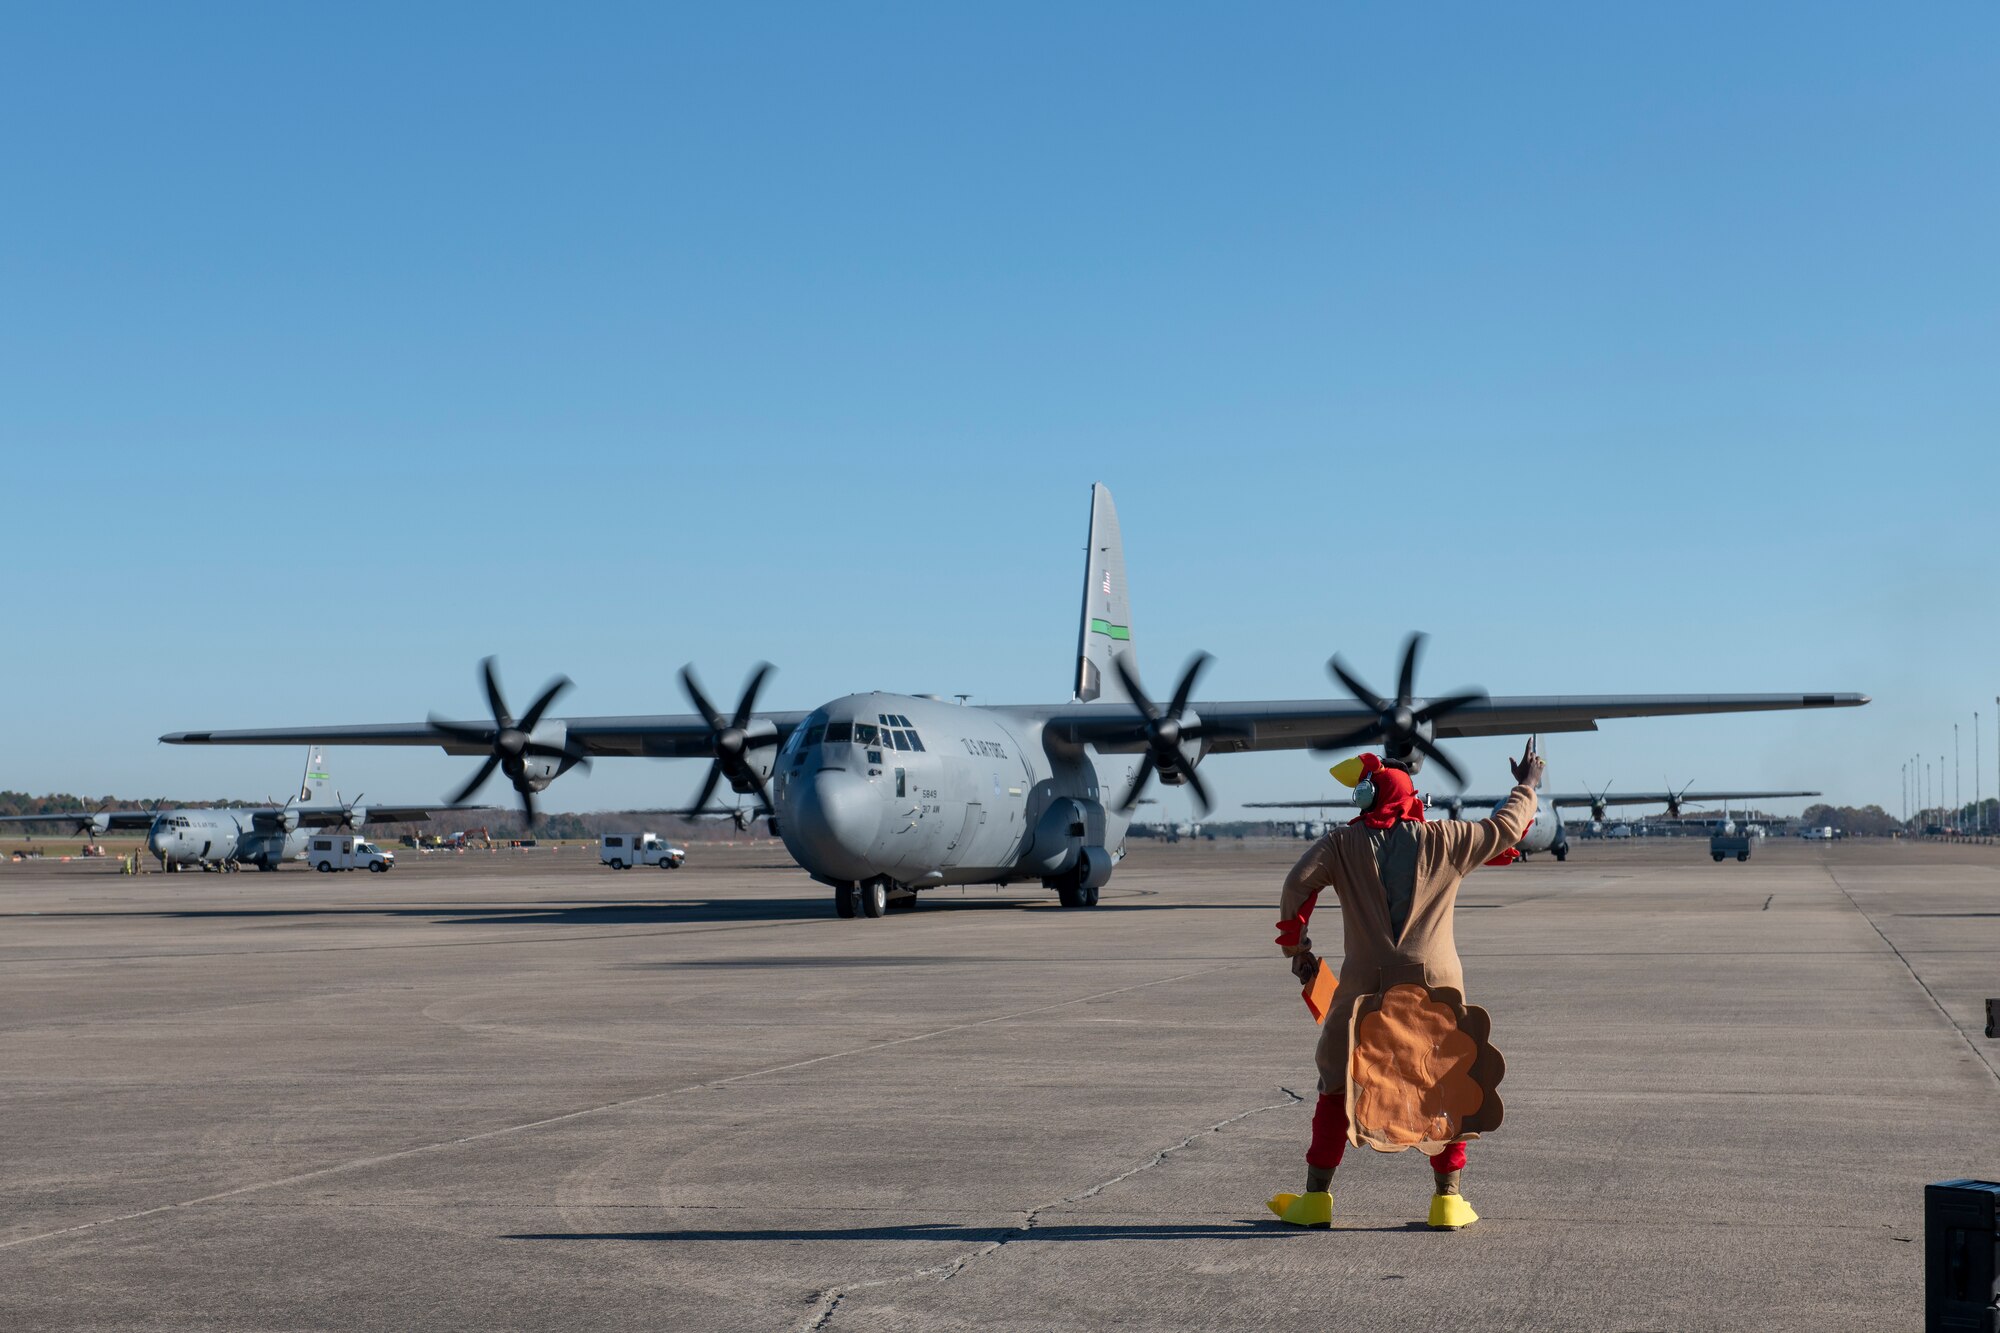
{"x": 961, "y": 699}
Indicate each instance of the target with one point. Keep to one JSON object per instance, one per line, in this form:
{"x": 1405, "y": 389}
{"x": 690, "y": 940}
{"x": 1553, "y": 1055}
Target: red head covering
{"x": 1396, "y": 799}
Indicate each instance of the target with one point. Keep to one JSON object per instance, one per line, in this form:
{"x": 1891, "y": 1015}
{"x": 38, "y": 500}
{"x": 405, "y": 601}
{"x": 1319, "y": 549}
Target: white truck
{"x": 328, "y": 852}
{"x": 622, "y": 851}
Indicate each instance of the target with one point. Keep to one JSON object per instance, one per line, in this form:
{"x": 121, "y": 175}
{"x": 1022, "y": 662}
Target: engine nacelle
{"x": 538, "y": 771}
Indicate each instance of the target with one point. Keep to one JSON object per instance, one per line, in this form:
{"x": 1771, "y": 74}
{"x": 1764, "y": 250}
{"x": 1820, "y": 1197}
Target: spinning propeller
{"x": 1674, "y": 799}
{"x": 1599, "y": 811}
{"x": 731, "y": 740}
{"x": 1164, "y": 732}
{"x": 1404, "y": 730}
{"x": 512, "y": 742}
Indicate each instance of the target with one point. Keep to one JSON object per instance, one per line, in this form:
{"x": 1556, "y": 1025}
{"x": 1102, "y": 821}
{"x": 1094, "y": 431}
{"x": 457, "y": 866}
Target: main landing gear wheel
{"x": 1071, "y": 895}
{"x": 874, "y": 898}
{"x": 844, "y": 904}
{"x": 1562, "y": 852}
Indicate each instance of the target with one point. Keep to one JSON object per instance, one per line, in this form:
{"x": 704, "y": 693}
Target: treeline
{"x": 63, "y": 803}
{"x": 1869, "y": 821}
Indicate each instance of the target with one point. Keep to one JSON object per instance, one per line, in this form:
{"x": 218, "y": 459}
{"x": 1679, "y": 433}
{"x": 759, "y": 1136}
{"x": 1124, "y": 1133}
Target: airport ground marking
{"x": 1929, "y": 994}
{"x": 424, "y": 1149}
{"x": 828, "y": 1301}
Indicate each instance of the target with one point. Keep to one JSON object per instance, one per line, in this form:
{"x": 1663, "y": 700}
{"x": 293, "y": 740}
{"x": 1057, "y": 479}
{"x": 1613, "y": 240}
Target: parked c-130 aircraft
{"x": 225, "y": 837}
{"x": 880, "y": 795}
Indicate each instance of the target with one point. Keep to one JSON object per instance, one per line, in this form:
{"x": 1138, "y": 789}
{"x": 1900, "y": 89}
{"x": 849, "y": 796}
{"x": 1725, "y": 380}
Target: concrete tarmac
{"x": 517, "y": 1091}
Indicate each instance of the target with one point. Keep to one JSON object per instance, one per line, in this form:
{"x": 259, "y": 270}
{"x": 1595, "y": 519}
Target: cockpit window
{"x": 916, "y": 742}
{"x": 901, "y": 739}
{"x": 839, "y": 733}
{"x": 864, "y": 733}
{"x": 806, "y": 733}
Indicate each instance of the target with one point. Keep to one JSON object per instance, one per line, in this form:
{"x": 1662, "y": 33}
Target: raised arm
{"x": 1469, "y": 844}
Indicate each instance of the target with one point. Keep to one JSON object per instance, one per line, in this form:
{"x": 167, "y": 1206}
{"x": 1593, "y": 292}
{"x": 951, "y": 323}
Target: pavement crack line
{"x": 826, "y": 1303}
{"x": 1929, "y": 994}
{"x": 443, "y": 1145}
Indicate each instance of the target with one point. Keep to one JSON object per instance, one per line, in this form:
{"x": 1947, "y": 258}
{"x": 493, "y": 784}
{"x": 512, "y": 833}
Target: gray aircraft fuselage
{"x": 987, "y": 799}
{"x": 221, "y": 837}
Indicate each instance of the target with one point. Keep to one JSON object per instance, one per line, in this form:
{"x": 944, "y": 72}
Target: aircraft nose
{"x": 831, "y": 823}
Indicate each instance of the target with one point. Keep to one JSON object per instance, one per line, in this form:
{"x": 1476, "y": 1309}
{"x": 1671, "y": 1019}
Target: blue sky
{"x": 1622, "y": 348}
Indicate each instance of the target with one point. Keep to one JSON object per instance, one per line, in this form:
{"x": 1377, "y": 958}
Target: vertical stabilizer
{"x": 317, "y": 787}
{"x": 1107, "y": 616}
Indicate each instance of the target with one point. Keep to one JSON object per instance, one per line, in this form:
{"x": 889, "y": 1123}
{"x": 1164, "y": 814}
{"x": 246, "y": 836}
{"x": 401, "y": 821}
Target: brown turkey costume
{"x": 1404, "y": 1062}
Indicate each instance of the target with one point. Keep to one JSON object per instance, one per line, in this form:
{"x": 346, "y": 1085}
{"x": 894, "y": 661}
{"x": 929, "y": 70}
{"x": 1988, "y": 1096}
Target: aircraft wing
{"x": 1299, "y": 724}
{"x": 1660, "y": 797}
{"x": 332, "y": 816}
{"x": 664, "y": 736}
{"x": 100, "y": 821}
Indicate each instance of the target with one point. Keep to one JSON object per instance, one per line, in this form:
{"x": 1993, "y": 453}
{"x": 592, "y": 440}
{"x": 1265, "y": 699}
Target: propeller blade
{"x": 708, "y": 784}
{"x": 1348, "y": 740}
{"x": 1200, "y": 788}
{"x": 541, "y": 705}
{"x": 698, "y": 698}
{"x": 1139, "y": 781}
{"x": 747, "y": 705}
{"x": 1133, "y": 689}
{"x": 1451, "y": 703}
{"x": 478, "y": 780}
{"x": 490, "y": 674}
{"x": 528, "y": 807}
{"x": 1439, "y": 757}
{"x": 1376, "y": 703}
{"x": 1189, "y": 675}
{"x": 1406, "y": 682}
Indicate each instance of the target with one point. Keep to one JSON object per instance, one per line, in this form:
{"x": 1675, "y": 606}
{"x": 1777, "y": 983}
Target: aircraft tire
{"x": 844, "y": 902}
{"x": 1090, "y": 897}
{"x": 874, "y": 899}
{"x": 1562, "y": 853}
{"x": 1069, "y": 895}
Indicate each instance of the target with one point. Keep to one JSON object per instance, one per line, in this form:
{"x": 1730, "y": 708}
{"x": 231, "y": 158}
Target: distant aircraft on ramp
{"x": 216, "y": 838}
{"x": 1546, "y": 833}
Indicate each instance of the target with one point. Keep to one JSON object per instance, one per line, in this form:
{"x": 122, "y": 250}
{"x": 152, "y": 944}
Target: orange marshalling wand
{"x": 1319, "y": 995}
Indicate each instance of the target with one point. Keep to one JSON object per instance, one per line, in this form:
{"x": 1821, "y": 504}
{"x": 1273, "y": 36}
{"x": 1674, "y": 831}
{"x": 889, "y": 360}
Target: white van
{"x": 622, "y": 851}
{"x": 328, "y": 852}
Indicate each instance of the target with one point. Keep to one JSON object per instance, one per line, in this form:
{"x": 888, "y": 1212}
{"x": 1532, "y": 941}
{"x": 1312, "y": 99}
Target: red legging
{"x": 1329, "y": 1138}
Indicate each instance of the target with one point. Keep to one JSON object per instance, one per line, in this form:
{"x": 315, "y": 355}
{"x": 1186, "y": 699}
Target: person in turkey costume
{"x": 1403, "y": 1061}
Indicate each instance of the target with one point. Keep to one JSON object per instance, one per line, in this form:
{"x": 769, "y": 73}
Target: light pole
{"x": 1977, "y": 803}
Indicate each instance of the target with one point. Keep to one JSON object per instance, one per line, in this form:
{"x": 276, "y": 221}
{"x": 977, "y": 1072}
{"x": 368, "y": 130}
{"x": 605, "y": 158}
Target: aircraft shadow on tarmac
{"x": 1248, "y": 1229}
{"x": 573, "y": 912}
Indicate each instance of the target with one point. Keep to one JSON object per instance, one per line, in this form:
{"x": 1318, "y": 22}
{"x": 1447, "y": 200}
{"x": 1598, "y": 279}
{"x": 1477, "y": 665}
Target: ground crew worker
{"x": 1397, "y": 879}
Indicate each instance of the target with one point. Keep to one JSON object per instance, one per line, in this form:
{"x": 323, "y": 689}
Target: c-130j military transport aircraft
{"x": 227, "y": 837}
{"x": 882, "y": 795}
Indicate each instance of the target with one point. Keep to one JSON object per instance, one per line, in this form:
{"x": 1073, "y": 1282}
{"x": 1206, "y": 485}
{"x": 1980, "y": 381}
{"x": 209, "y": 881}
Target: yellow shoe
{"x": 1449, "y": 1212}
{"x": 1304, "y": 1210}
